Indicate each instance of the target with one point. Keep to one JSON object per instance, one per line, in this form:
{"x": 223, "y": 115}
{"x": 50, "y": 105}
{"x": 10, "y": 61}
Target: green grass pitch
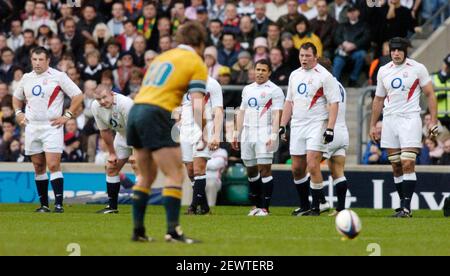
{"x": 227, "y": 232}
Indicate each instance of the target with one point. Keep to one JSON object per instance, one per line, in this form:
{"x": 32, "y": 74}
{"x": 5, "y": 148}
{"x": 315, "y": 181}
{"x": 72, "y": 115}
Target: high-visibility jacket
{"x": 443, "y": 97}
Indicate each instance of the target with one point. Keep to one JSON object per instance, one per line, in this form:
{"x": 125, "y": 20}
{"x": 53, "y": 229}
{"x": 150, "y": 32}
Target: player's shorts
{"x": 189, "y": 147}
{"x": 123, "y": 151}
{"x": 42, "y": 137}
{"x": 150, "y": 127}
{"x": 340, "y": 143}
{"x": 253, "y": 147}
{"x": 401, "y": 131}
{"x": 307, "y": 138}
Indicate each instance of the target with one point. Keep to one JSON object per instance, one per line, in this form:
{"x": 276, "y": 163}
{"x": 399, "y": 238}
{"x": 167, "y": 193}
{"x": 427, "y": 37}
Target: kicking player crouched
{"x": 43, "y": 91}
{"x": 111, "y": 111}
{"x": 196, "y": 160}
{"x": 399, "y": 87}
{"x": 257, "y": 127}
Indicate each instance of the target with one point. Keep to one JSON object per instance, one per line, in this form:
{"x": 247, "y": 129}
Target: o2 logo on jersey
{"x": 113, "y": 123}
{"x": 396, "y": 83}
{"x": 252, "y": 102}
{"x": 301, "y": 89}
{"x": 37, "y": 90}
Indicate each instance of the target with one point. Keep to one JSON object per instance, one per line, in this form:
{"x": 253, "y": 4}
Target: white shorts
{"x": 339, "y": 145}
{"x": 188, "y": 148}
{"x": 307, "y": 138}
{"x": 123, "y": 151}
{"x": 253, "y": 147}
{"x": 43, "y": 138}
{"x": 401, "y": 131}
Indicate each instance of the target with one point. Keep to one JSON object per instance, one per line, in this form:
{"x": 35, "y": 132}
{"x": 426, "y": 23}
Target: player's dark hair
{"x": 325, "y": 62}
{"x": 265, "y": 62}
{"x": 191, "y": 33}
{"x": 41, "y": 50}
{"x": 309, "y": 45}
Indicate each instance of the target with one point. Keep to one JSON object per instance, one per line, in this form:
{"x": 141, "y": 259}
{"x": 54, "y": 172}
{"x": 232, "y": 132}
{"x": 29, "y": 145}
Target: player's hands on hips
{"x": 59, "y": 122}
{"x": 21, "y": 120}
{"x": 328, "y": 136}
{"x": 374, "y": 134}
{"x": 434, "y": 131}
{"x": 214, "y": 144}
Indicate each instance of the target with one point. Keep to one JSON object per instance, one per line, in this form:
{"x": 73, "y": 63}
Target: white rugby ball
{"x": 348, "y": 224}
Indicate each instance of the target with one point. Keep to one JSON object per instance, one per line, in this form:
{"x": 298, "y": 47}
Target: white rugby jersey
{"x": 213, "y": 99}
{"x": 311, "y": 91}
{"x": 44, "y": 94}
{"x": 340, "y": 120}
{"x": 114, "y": 118}
{"x": 401, "y": 85}
{"x": 258, "y": 101}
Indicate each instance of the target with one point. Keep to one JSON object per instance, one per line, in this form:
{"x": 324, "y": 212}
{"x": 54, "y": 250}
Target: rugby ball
{"x": 348, "y": 224}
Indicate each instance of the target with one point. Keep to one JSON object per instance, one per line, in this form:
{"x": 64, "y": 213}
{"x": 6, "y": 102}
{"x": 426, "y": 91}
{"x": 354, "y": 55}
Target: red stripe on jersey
{"x": 207, "y": 96}
{"x": 412, "y": 89}
{"x": 266, "y": 107}
{"x": 318, "y": 94}
{"x": 54, "y": 95}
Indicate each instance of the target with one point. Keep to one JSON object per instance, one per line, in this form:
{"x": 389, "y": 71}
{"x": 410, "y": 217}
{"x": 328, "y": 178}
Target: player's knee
{"x": 112, "y": 171}
{"x": 395, "y": 158}
{"x": 313, "y": 167}
{"x": 54, "y": 167}
{"x": 266, "y": 172}
{"x": 39, "y": 168}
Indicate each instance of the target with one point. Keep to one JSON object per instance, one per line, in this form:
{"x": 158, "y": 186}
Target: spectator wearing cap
{"x": 441, "y": 80}
{"x": 147, "y": 25}
{"x": 304, "y": 34}
{"x": 287, "y": 21}
{"x": 15, "y": 39}
{"x": 112, "y": 54}
{"x": 261, "y": 49}
{"x": 247, "y": 33}
{"x": 290, "y": 53}
{"x": 6, "y": 65}
{"x": 273, "y": 36}
{"x": 215, "y": 28}
{"x": 115, "y": 24}
{"x": 123, "y": 72}
{"x": 353, "y": 39}
{"x": 202, "y": 15}
{"x": 239, "y": 71}
{"x": 280, "y": 72}
{"x": 227, "y": 53}
{"x": 217, "y": 11}
{"x": 324, "y": 27}
{"x": 191, "y": 11}
{"x": 210, "y": 56}
{"x": 261, "y": 22}
{"x": 231, "y": 22}
{"x": 245, "y": 7}
{"x": 399, "y": 21}
{"x": 127, "y": 38}
{"x": 40, "y": 17}
{"x": 276, "y": 9}
{"x": 224, "y": 76}
{"x": 338, "y": 10}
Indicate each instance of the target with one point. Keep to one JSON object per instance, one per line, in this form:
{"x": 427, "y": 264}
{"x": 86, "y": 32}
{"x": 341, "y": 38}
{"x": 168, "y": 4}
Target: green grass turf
{"x": 227, "y": 232}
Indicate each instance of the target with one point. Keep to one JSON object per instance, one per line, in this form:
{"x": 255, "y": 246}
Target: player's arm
{"x": 18, "y": 108}
{"x": 331, "y": 91}
{"x": 218, "y": 123}
{"x": 74, "y": 92}
{"x": 287, "y": 112}
{"x": 238, "y": 129}
{"x": 432, "y": 108}
{"x": 377, "y": 106}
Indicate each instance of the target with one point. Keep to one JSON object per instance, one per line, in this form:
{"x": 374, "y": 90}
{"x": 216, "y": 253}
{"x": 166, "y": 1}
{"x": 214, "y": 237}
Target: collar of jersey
{"x": 186, "y": 47}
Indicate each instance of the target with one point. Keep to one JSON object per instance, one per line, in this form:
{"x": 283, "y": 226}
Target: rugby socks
{"x": 255, "y": 186}
{"x": 408, "y": 188}
{"x": 57, "y": 181}
{"x": 316, "y": 190}
{"x": 172, "y": 203}
{"x": 140, "y": 200}
{"x": 302, "y": 187}
{"x": 113, "y": 188}
{"x": 42, "y": 188}
{"x": 398, "y": 186}
{"x": 194, "y": 202}
{"x": 267, "y": 188}
{"x": 199, "y": 196}
{"x": 341, "y": 191}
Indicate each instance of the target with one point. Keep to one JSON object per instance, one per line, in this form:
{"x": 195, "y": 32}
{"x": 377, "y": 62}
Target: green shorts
{"x": 150, "y": 127}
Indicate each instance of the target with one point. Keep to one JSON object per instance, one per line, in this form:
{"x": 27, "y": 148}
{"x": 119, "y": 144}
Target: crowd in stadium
{"x": 113, "y": 42}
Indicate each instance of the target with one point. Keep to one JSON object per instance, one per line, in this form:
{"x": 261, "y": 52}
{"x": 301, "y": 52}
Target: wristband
{"x": 18, "y": 111}
{"x": 68, "y": 114}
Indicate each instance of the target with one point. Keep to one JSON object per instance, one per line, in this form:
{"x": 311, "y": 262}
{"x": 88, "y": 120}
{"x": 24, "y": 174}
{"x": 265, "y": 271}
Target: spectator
{"x": 164, "y": 27}
{"x": 445, "y": 159}
{"x": 88, "y": 21}
{"x": 43, "y": 36}
{"x": 273, "y": 36}
{"x": 384, "y": 59}
{"x": 134, "y": 84}
{"x": 165, "y": 43}
{"x": 75, "y": 75}
{"x": 72, "y": 143}
{"x": 3, "y": 91}
{"x": 56, "y": 50}
{"x": 290, "y": 53}
{"x": 149, "y": 57}
{"x": 138, "y": 51}
{"x": 353, "y": 40}
{"x": 123, "y": 72}
{"x": 133, "y": 7}
{"x": 15, "y": 40}
{"x": 191, "y": 11}
{"x": 18, "y": 74}
{"x": 227, "y": 54}
{"x": 3, "y": 43}
{"x": 28, "y": 10}
{"x": 164, "y": 7}
{"x": 338, "y": 10}
{"x": 304, "y": 34}
{"x": 215, "y": 29}
{"x": 14, "y": 152}
{"x": 6, "y": 109}
{"x": 178, "y": 17}
{"x": 261, "y": 49}
{"x": 245, "y": 7}
{"x": 6, "y": 65}
{"x": 261, "y": 22}
{"x": 441, "y": 80}
{"x": 374, "y": 154}
{"x": 129, "y": 35}
{"x": 276, "y": 9}
{"x": 115, "y": 25}
{"x": 40, "y": 17}
{"x": 430, "y": 7}
{"x": 247, "y": 33}
{"x": 231, "y": 22}
{"x": 101, "y": 36}
{"x": 89, "y": 98}
{"x": 308, "y": 9}
{"x": 224, "y": 76}
{"x": 217, "y": 11}
{"x": 210, "y": 56}
{"x": 108, "y": 79}
{"x": 8, "y": 135}
{"x": 280, "y": 72}
{"x": 239, "y": 71}
{"x": 146, "y": 25}
{"x": 111, "y": 57}
{"x": 22, "y": 54}
{"x": 93, "y": 69}
{"x": 102, "y": 155}
{"x": 435, "y": 150}
{"x": 287, "y": 21}
{"x": 72, "y": 38}
{"x": 324, "y": 26}
{"x": 202, "y": 16}
{"x": 399, "y": 21}
{"x": 66, "y": 12}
